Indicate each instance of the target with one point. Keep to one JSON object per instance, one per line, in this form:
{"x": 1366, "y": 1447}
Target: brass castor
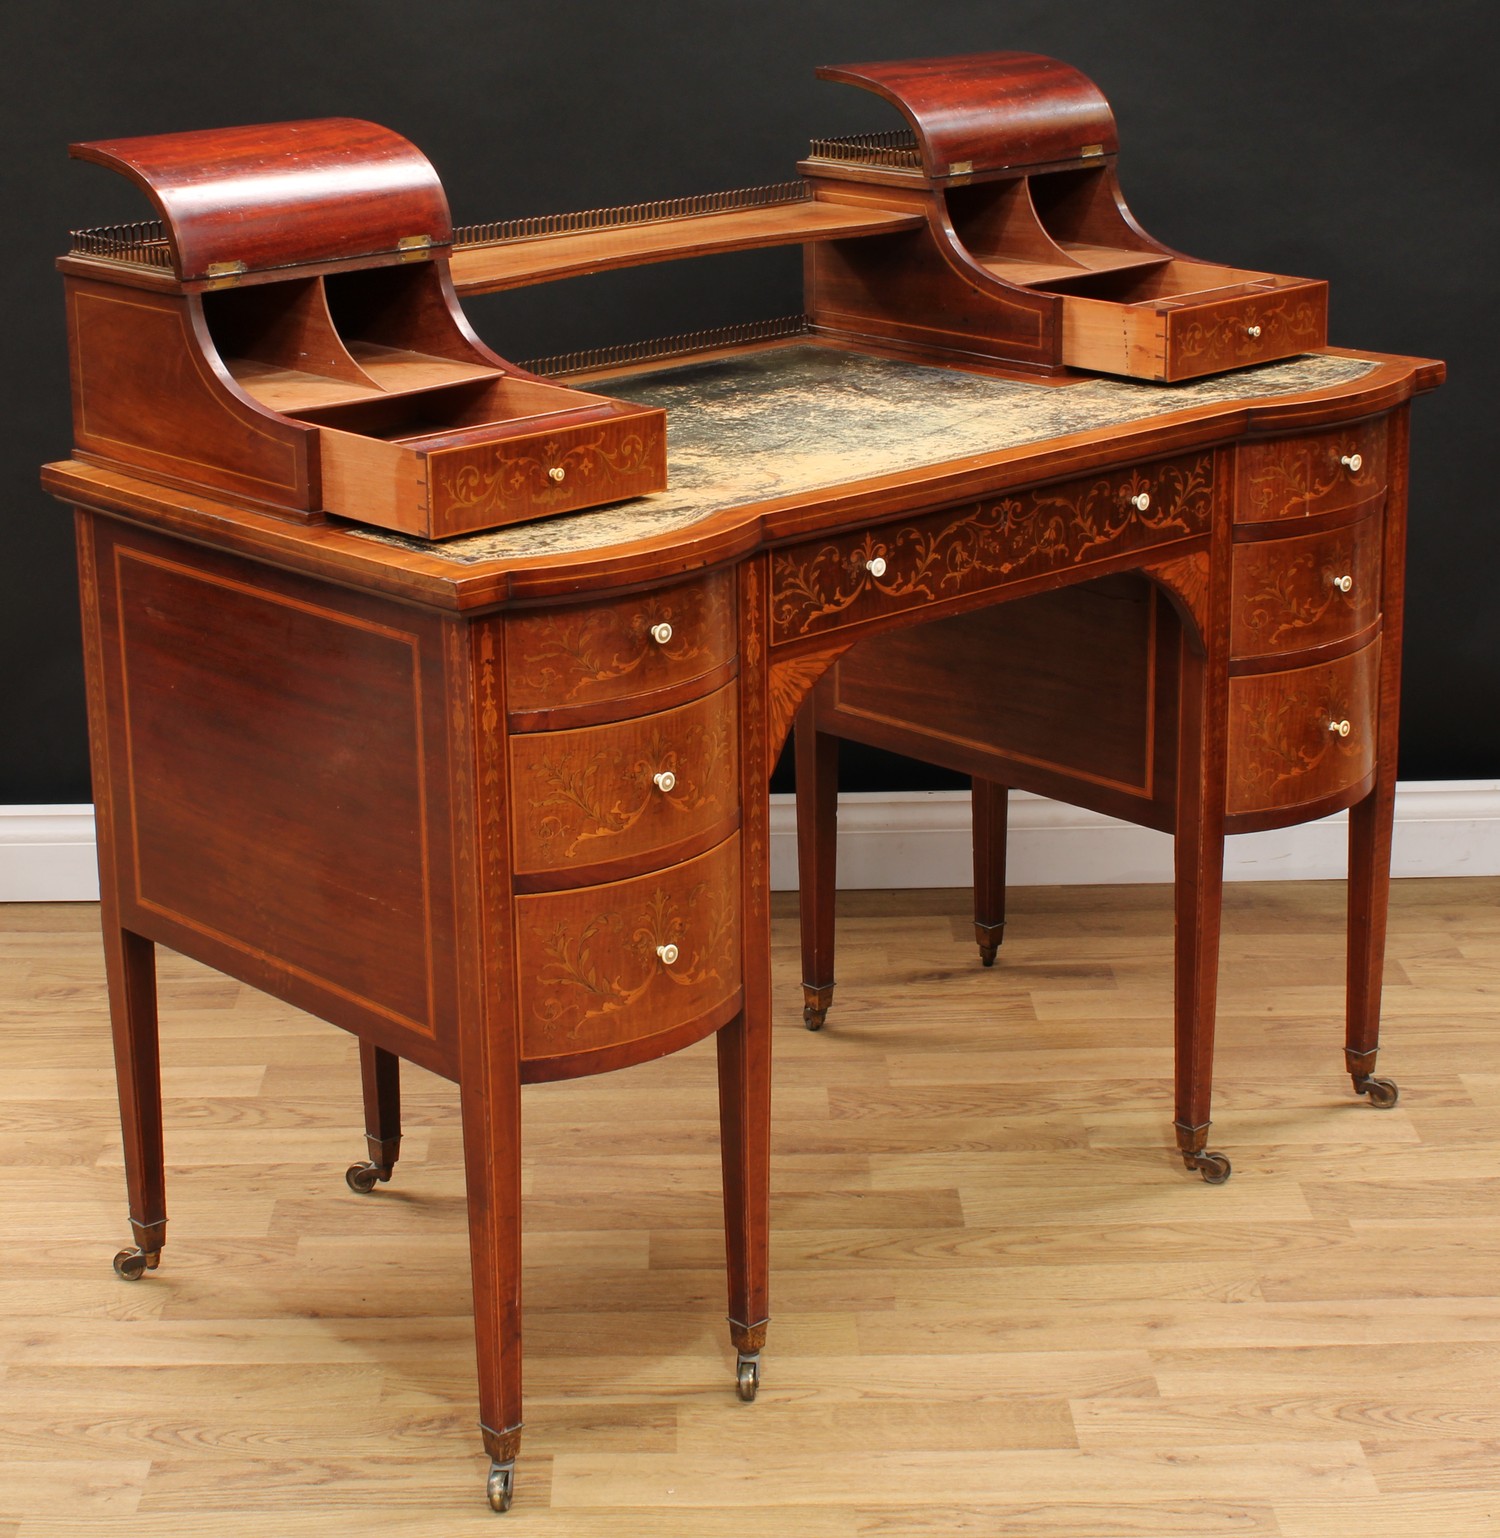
{"x": 1382, "y": 1092}
{"x": 1214, "y": 1167}
{"x": 362, "y": 1177}
{"x": 132, "y": 1265}
{"x": 813, "y": 1017}
{"x": 987, "y": 955}
{"x": 500, "y": 1486}
{"x": 747, "y": 1375}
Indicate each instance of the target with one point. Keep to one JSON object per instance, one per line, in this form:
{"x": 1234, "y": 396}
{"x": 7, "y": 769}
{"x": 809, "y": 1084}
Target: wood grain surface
{"x": 1000, "y": 1306}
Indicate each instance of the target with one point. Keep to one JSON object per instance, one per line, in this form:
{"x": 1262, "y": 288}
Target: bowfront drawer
{"x": 627, "y": 790}
{"x": 605, "y": 966}
{"x": 824, "y": 585}
{"x": 1320, "y": 473}
{"x": 1291, "y": 594}
{"x": 592, "y": 654}
{"x": 1301, "y": 735}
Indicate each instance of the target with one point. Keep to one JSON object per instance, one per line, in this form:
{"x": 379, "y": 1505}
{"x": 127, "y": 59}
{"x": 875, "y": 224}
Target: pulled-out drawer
{"x": 1313, "y": 589}
{"x": 606, "y": 966}
{"x": 566, "y": 659}
{"x": 1302, "y": 735}
{"x": 1179, "y": 319}
{"x": 596, "y": 795}
{"x": 1314, "y": 474}
{"x": 480, "y": 456}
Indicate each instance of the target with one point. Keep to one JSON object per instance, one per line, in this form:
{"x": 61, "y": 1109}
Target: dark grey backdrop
{"x": 1352, "y": 140}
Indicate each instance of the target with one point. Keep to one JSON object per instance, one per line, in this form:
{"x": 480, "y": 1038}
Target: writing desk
{"x": 499, "y": 805}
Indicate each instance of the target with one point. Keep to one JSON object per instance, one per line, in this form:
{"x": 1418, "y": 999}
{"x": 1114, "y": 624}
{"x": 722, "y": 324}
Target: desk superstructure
{"x": 401, "y": 714}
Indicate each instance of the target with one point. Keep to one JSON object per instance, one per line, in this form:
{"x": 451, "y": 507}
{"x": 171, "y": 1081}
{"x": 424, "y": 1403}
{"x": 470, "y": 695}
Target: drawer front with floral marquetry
{"x": 604, "y": 966}
{"x": 1319, "y": 473}
{"x": 1262, "y": 322}
{"x": 822, "y": 585}
{"x": 1293, "y": 594}
{"x": 628, "y": 790}
{"x": 1304, "y": 734}
{"x": 586, "y": 654}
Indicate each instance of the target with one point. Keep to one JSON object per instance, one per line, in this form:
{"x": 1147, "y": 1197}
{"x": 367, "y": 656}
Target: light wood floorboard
{"x": 1000, "y": 1306}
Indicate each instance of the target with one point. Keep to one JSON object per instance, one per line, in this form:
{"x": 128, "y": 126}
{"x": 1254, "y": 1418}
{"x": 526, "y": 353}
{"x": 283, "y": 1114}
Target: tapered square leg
{"x": 1371, "y": 822}
{"x": 130, "y": 969}
{"x": 491, "y": 1104}
{"x": 744, "y": 1122}
{"x": 380, "y": 1080}
{"x": 817, "y": 760}
{"x": 991, "y": 804}
{"x": 1199, "y": 860}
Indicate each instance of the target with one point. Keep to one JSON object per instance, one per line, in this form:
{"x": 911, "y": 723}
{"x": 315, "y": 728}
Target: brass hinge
{"x": 225, "y": 274}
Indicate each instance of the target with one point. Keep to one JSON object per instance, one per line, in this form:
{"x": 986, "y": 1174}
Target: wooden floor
{"x": 1000, "y": 1305}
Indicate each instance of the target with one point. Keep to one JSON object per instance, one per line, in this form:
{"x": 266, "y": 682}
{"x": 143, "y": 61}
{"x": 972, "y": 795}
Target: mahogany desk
{"x": 499, "y": 805}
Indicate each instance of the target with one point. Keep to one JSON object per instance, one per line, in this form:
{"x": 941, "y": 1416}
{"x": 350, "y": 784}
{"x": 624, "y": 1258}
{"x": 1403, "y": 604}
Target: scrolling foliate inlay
{"x": 1290, "y": 598}
{"x": 581, "y": 653}
{"x": 1291, "y": 477}
{"x": 755, "y": 764}
{"x": 488, "y": 481}
{"x": 574, "y": 800}
{"x": 1289, "y": 737}
{"x": 951, "y": 555}
{"x": 491, "y": 769}
{"x": 606, "y": 963}
{"x": 1244, "y": 332}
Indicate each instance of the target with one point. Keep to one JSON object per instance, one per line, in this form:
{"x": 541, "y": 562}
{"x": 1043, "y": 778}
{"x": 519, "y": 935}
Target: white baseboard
{"x": 47, "y": 854}
{"x": 921, "y": 839}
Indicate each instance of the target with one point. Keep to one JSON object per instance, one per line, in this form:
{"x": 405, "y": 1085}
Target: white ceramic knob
{"x": 1141, "y": 501}
{"x": 557, "y": 473}
{"x": 664, "y": 781}
{"x": 1343, "y": 584}
{"x": 661, "y": 633}
{"x": 1252, "y": 332}
{"x": 1353, "y": 463}
{"x": 668, "y": 954}
{"x": 1340, "y": 727}
{"x": 876, "y": 566}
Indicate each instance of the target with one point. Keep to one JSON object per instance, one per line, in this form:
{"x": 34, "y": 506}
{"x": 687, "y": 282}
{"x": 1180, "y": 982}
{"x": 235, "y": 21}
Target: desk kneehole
{"x": 1304, "y": 734}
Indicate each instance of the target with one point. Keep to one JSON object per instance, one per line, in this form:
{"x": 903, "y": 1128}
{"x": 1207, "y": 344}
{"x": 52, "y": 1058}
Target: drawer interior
{"x": 463, "y": 412}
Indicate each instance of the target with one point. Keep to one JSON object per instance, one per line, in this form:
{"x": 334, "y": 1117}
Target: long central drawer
{"x": 824, "y": 585}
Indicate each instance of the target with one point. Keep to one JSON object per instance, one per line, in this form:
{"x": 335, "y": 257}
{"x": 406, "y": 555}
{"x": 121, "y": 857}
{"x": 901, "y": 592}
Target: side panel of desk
{"x": 283, "y": 787}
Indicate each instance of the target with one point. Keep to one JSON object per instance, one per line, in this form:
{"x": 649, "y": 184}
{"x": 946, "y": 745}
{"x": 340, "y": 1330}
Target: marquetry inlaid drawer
{"x": 605, "y": 966}
{"x": 595, "y": 795}
{"x": 1292, "y": 594}
{"x": 557, "y": 659}
{"x": 1304, "y": 734}
{"x": 823, "y": 585}
{"x": 1319, "y": 473}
